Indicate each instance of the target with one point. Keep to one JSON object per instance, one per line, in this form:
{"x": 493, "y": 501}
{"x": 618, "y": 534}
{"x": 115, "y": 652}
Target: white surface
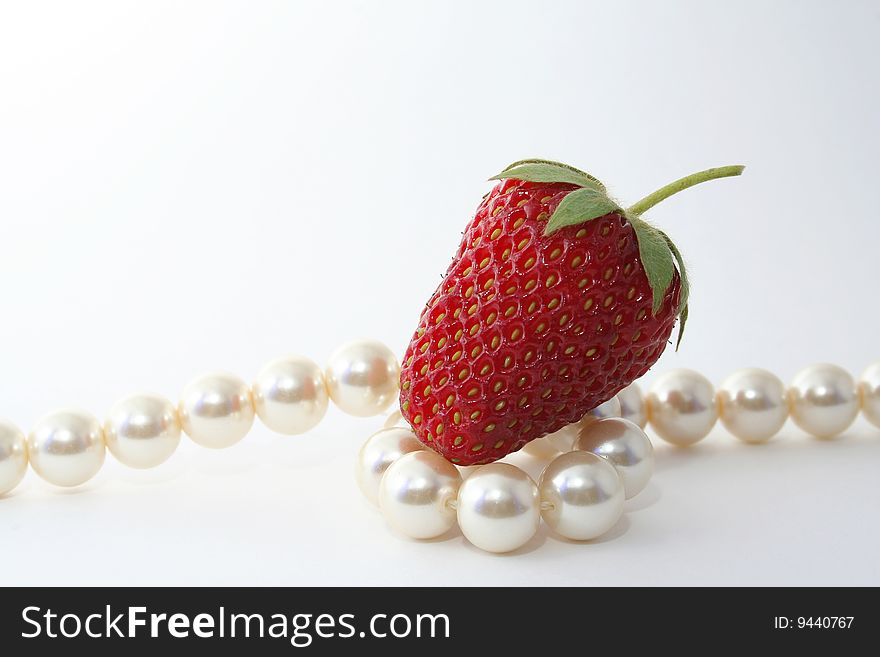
{"x": 200, "y": 186}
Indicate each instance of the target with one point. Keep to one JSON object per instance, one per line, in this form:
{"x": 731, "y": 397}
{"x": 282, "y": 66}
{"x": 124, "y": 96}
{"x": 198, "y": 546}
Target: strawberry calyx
{"x": 658, "y": 253}
{"x": 548, "y": 171}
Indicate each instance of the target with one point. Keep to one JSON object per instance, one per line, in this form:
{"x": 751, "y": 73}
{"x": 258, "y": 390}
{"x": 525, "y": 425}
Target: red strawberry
{"x": 556, "y": 299}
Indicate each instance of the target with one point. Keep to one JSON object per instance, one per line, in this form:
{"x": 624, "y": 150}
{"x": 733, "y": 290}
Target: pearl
{"x": 363, "y": 377}
{"x": 381, "y": 450}
{"x": 542, "y": 449}
{"x": 869, "y": 394}
{"x": 625, "y": 446}
{"x": 13, "y": 456}
{"x": 632, "y": 405}
{"x": 498, "y": 508}
{"x": 752, "y": 405}
{"x": 66, "y": 448}
{"x": 142, "y": 431}
{"x": 561, "y": 440}
{"x": 416, "y": 493}
{"x": 216, "y": 410}
{"x": 581, "y": 494}
{"x": 609, "y": 408}
{"x": 681, "y": 407}
{"x": 290, "y": 396}
{"x": 823, "y": 400}
{"x": 394, "y": 419}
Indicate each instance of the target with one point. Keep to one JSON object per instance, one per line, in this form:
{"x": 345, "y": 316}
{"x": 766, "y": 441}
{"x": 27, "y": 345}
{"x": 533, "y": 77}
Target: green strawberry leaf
{"x": 685, "y": 288}
{"x": 656, "y": 259}
{"x": 548, "y": 171}
{"x": 580, "y": 206}
{"x": 682, "y": 320}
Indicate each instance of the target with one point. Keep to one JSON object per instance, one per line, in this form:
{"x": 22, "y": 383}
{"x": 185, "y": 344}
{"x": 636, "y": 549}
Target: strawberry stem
{"x": 682, "y": 183}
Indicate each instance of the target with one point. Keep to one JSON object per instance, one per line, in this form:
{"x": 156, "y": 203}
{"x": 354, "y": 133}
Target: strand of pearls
{"x": 498, "y": 507}
{"x": 290, "y": 396}
{"x": 753, "y": 404}
{"x": 598, "y": 462}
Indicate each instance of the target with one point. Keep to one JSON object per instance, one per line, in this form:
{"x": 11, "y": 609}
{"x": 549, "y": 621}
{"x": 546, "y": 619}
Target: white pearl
{"x": 290, "y": 396}
{"x": 869, "y": 394}
{"x": 66, "y": 448}
{"x": 752, "y": 405}
{"x": 542, "y": 449}
{"x": 216, "y": 410}
{"x": 609, "y": 408}
{"x": 823, "y": 400}
{"x": 13, "y": 456}
{"x": 561, "y": 440}
{"x": 498, "y": 508}
{"x": 416, "y": 492}
{"x": 682, "y": 407}
{"x": 582, "y": 495}
{"x": 394, "y": 419}
{"x": 381, "y": 450}
{"x": 142, "y": 431}
{"x": 625, "y": 446}
{"x": 363, "y": 377}
{"x": 632, "y": 405}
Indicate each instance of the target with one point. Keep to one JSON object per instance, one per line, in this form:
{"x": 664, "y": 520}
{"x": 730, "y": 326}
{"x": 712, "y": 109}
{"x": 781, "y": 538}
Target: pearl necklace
{"x": 217, "y": 410}
{"x": 596, "y": 463}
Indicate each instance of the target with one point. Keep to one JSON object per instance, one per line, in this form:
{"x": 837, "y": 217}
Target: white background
{"x": 202, "y": 185}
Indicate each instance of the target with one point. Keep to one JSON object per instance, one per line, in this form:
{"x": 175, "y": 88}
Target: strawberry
{"x": 556, "y": 299}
